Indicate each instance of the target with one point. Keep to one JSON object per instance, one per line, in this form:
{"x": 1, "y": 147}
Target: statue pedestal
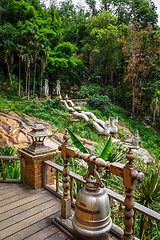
{"x": 115, "y": 135}
{"x": 46, "y": 97}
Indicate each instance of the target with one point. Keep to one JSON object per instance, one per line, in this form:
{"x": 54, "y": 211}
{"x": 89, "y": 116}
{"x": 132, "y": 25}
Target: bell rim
{"x": 90, "y": 231}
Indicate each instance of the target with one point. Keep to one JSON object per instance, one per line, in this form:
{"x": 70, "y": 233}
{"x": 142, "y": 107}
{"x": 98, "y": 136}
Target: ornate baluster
{"x": 65, "y": 200}
{"x": 130, "y": 178}
{"x": 4, "y": 170}
{"x": 57, "y": 181}
{"x": 71, "y": 189}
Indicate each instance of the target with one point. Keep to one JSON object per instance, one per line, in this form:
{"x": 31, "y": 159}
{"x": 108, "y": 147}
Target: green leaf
{"x": 76, "y": 142}
{"x": 107, "y": 149}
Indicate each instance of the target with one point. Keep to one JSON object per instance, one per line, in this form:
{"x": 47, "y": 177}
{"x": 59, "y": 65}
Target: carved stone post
{"x": 130, "y": 178}
{"x": 65, "y": 200}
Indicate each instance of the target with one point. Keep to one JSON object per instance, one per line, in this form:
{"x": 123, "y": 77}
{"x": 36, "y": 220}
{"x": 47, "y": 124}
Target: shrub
{"x": 90, "y": 90}
{"x": 100, "y": 102}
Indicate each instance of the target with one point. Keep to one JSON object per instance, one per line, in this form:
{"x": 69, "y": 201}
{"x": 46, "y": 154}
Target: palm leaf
{"x": 107, "y": 149}
{"x": 76, "y": 142}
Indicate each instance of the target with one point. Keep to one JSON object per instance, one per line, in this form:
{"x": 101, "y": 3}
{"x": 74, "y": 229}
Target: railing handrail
{"x": 13, "y": 158}
{"x": 137, "y": 207}
{"x": 7, "y": 158}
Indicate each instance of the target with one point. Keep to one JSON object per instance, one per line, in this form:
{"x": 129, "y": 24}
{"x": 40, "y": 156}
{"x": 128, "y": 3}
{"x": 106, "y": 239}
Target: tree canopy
{"x": 115, "y": 45}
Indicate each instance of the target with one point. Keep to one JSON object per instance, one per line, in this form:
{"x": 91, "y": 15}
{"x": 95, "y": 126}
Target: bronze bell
{"x": 92, "y": 210}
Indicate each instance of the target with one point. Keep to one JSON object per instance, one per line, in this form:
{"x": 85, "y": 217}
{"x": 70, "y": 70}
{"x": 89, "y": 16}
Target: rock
{"x": 14, "y": 128}
{"x": 144, "y": 154}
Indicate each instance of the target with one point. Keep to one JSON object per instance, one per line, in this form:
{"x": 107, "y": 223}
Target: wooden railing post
{"x": 130, "y": 178}
{"x": 57, "y": 181}
{"x": 71, "y": 188}
{"x": 65, "y": 200}
{"x": 4, "y": 170}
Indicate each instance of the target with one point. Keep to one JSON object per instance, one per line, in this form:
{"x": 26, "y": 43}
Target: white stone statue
{"x": 58, "y": 88}
{"x": 136, "y": 139}
{"x": 46, "y": 87}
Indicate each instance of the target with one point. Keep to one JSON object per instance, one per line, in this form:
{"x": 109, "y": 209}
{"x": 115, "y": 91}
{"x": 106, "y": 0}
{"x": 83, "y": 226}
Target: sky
{"x": 157, "y": 4}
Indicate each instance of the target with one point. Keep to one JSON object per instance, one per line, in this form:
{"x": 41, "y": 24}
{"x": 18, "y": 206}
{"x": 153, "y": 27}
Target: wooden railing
{"x": 8, "y": 158}
{"x": 128, "y": 172}
{"x": 113, "y": 195}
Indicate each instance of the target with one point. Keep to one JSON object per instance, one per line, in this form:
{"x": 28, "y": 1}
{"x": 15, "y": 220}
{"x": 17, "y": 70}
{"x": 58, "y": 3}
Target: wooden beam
{"x": 7, "y": 158}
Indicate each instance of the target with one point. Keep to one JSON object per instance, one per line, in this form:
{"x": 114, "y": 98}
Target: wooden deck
{"x": 27, "y": 214}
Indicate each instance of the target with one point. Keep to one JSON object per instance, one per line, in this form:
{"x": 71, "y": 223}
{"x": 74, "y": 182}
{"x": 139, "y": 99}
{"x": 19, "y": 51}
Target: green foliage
{"x": 107, "y": 149}
{"x": 13, "y": 84}
{"x": 148, "y": 194}
{"x": 127, "y": 11}
{"x": 56, "y": 104}
{"x": 110, "y": 90}
{"x": 116, "y": 154}
{"x": 64, "y": 66}
{"x": 100, "y": 102}
{"x": 90, "y": 90}
{"x": 76, "y": 166}
{"x": 76, "y": 142}
{"x": 12, "y": 167}
{"x": 101, "y": 42}
{"x": 105, "y": 152}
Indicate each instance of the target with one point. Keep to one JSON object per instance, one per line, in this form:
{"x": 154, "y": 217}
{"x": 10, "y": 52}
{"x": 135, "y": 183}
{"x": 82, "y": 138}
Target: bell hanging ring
{"x": 92, "y": 210}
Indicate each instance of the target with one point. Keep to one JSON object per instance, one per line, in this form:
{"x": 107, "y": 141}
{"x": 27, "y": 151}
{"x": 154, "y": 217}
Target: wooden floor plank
{"x": 44, "y": 233}
{"x": 13, "y": 192}
{"x": 12, "y": 189}
{"x": 25, "y": 207}
{"x": 5, "y": 185}
{"x": 57, "y": 236}
{"x": 29, "y": 221}
{"x": 35, "y": 194}
{"x": 19, "y": 196}
{"x": 26, "y": 214}
{"x": 34, "y": 228}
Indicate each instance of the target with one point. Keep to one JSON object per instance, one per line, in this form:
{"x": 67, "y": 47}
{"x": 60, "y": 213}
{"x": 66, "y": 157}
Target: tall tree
{"x": 92, "y": 7}
{"x": 155, "y": 106}
{"x": 127, "y": 11}
{"x": 65, "y": 66}
{"x": 139, "y": 48}
{"x": 100, "y": 46}
{"x": 8, "y": 36}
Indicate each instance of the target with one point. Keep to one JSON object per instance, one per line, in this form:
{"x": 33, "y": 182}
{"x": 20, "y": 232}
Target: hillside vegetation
{"x": 57, "y": 115}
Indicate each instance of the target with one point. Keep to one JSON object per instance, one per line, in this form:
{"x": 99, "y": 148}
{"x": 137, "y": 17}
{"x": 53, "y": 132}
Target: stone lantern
{"x": 38, "y": 135}
{"x": 34, "y": 155}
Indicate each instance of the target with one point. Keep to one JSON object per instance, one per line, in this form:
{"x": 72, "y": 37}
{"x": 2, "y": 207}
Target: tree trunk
{"x": 34, "y": 77}
{"x": 29, "y": 85}
{"x": 19, "y": 92}
{"x": 26, "y": 78}
{"x": 9, "y": 73}
{"x": 133, "y": 103}
{"x": 112, "y": 77}
{"x": 41, "y": 76}
{"x": 105, "y": 82}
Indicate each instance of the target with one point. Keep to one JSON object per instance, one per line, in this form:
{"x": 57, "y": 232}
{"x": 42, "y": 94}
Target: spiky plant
{"x": 148, "y": 194}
